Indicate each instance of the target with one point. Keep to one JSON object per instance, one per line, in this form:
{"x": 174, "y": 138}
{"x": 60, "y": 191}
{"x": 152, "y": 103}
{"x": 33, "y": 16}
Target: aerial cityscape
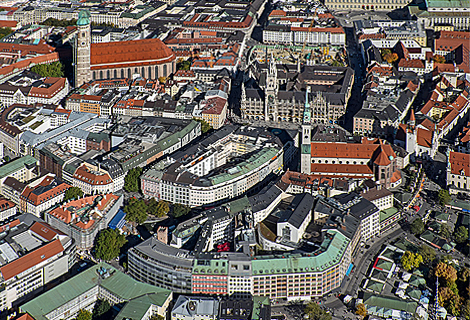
{"x": 234, "y": 159}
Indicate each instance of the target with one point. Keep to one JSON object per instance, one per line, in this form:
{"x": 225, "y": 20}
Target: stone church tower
{"x": 81, "y": 53}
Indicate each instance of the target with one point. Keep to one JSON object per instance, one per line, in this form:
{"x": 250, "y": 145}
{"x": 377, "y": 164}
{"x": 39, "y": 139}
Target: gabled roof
{"x": 459, "y": 163}
{"x": 31, "y": 259}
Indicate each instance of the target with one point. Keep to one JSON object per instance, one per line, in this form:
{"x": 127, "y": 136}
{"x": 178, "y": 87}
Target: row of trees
{"x": 65, "y": 23}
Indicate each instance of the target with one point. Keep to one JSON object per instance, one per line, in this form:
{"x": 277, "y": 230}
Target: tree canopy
{"x": 428, "y": 253}
{"x": 461, "y": 234}
{"x": 132, "y": 180}
{"x": 361, "y": 310}
{"x": 53, "y": 69}
{"x": 136, "y": 211}
{"x": 314, "y": 312}
{"x": 445, "y": 231}
{"x": 100, "y": 309}
{"x": 445, "y": 271}
{"x": 444, "y": 197}
{"x": 205, "y": 127}
{"x": 4, "y": 32}
{"x": 158, "y": 208}
{"x": 83, "y": 315}
{"x": 73, "y": 193}
{"x": 183, "y": 64}
{"x": 411, "y": 260}
{"x": 438, "y": 59}
{"x": 180, "y": 210}
{"x": 108, "y": 244}
{"x": 417, "y": 226}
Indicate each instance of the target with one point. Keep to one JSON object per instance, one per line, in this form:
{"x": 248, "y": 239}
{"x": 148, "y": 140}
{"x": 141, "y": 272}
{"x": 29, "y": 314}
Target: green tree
{"x": 417, "y": 226}
{"x": 411, "y": 260}
{"x": 83, "y": 315}
{"x": 466, "y": 309}
{"x": 183, "y": 64}
{"x": 5, "y": 32}
{"x": 444, "y": 197}
{"x": 314, "y": 312}
{"x": 180, "y": 210}
{"x": 136, "y": 211}
{"x": 461, "y": 234}
{"x": 53, "y": 69}
{"x": 204, "y": 125}
{"x": 445, "y": 231}
{"x": 132, "y": 180}
{"x": 108, "y": 244}
{"x": 159, "y": 209}
{"x": 361, "y": 310}
{"x": 100, "y": 309}
{"x": 428, "y": 253}
{"x": 73, "y": 193}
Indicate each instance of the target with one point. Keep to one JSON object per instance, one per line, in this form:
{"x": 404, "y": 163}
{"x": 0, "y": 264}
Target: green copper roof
{"x": 306, "y": 149}
{"x": 259, "y": 301}
{"x": 119, "y": 284}
{"x": 448, "y": 3}
{"x": 214, "y": 267}
{"x": 83, "y": 18}
{"x": 374, "y": 300}
{"x": 387, "y": 213}
{"x": 253, "y": 162}
{"x": 15, "y": 165}
{"x": 138, "y": 307}
{"x": 330, "y": 253}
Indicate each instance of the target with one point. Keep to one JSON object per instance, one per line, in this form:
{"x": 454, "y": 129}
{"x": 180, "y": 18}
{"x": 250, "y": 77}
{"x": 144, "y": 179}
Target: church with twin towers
{"x": 149, "y": 58}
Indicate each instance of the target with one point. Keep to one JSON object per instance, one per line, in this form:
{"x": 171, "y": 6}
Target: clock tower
{"x": 270, "y": 110}
{"x": 82, "y": 46}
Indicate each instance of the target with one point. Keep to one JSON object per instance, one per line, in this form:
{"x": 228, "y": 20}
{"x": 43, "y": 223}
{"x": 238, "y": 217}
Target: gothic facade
{"x": 278, "y": 92}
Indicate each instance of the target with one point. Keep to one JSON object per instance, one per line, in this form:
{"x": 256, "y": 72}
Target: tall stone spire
{"x": 82, "y": 47}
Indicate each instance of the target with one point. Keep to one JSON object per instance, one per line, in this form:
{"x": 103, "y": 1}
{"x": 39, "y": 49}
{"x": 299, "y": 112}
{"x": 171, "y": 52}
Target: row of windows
{"x": 102, "y": 74}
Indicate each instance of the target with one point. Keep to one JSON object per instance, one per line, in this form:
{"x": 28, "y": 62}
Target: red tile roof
{"x": 363, "y": 150}
{"x": 31, "y": 259}
{"x": 396, "y": 176}
{"x": 277, "y": 13}
{"x": 44, "y": 231}
{"x": 9, "y": 225}
{"x": 134, "y": 52}
{"x": 344, "y": 169}
{"x": 413, "y": 63}
{"x": 65, "y": 215}
{"x": 8, "y": 24}
{"x": 424, "y": 138}
{"x": 213, "y": 105}
{"x": 459, "y": 163}
{"x": 92, "y": 178}
{"x": 35, "y": 195}
{"x": 6, "y": 204}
